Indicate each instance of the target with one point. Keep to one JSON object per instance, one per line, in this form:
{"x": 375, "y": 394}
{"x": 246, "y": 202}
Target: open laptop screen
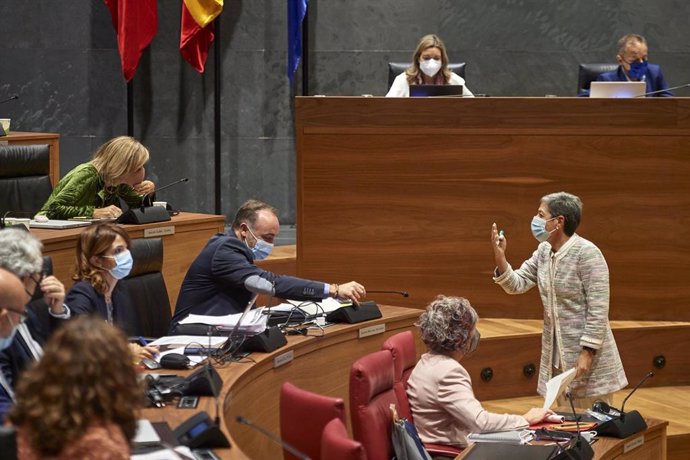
{"x": 435, "y": 90}
{"x": 618, "y": 89}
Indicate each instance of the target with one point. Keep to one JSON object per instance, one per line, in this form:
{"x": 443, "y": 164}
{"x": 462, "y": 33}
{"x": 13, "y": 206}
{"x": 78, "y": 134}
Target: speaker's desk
{"x": 647, "y": 445}
{"x": 183, "y": 238}
{"x": 319, "y": 364}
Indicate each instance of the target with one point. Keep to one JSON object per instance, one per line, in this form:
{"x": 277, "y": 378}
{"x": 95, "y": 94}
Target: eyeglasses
{"x": 19, "y": 313}
{"x": 37, "y": 283}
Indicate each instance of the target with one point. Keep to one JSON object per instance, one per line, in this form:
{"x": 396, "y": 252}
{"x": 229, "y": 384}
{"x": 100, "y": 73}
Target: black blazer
{"x": 84, "y": 300}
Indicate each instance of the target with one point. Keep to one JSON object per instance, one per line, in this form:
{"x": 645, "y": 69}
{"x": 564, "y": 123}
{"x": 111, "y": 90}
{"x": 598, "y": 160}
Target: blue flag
{"x": 296, "y": 11}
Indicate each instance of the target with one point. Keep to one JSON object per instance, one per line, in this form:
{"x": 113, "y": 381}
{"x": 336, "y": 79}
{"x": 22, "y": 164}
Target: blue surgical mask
{"x": 261, "y": 249}
{"x": 5, "y": 342}
{"x": 638, "y": 70}
{"x": 123, "y": 265}
{"x": 539, "y": 229}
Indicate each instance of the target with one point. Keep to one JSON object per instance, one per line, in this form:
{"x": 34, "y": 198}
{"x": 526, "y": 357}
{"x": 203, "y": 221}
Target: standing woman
{"x": 103, "y": 259}
{"x": 429, "y": 67}
{"x": 573, "y": 281}
{"x": 80, "y": 400}
{"x": 94, "y": 189}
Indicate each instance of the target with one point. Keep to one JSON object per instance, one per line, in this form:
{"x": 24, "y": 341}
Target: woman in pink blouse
{"x": 440, "y": 389}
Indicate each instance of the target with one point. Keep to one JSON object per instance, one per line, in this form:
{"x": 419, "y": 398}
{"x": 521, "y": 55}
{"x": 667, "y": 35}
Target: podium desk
{"x": 320, "y": 364}
{"x": 183, "y": 238}
{"x": 26, "y": 138}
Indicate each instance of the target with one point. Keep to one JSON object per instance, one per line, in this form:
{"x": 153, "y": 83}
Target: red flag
{"x": 136, "y": 23}
{"x": 196, "y": 31}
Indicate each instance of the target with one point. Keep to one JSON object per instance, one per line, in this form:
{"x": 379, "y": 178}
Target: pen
{"x": 142, "y": 341}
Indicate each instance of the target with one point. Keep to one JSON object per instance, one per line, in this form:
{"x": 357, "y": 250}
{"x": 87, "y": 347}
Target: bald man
{"x": 13, "y": 298}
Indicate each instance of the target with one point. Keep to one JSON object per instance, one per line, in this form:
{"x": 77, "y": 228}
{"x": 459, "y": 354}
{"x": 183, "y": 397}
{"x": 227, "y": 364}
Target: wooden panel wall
{"x": 401, "y": 194}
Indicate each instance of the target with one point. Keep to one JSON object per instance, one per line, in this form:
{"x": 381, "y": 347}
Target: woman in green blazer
{"x": 94, "y": 189}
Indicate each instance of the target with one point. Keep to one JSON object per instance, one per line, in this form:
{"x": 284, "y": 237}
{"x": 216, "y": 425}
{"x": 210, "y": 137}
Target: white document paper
{"x": 557, "y": 385}
{"x": 325, "y": 306}
{"x": 253, "y": 323}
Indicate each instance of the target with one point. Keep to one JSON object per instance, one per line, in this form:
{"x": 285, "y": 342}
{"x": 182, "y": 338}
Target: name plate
{"x": 372, "y": 330}
{"x": 283, "y": 359}
{"x": 634, "y": 444}
{"x": 159, "y": 231}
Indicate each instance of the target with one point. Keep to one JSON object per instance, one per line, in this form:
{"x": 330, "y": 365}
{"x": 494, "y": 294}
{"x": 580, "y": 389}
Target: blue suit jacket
{"x": 653, "y": 77}
{"x": 214, "y": 284}
{"x": 84, "y": 300}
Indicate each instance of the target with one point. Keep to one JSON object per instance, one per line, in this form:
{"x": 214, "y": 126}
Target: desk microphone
{"x": 402, "y": 293}
{"x": 152, "y": 391}
{"x": 11, "y": 98}
{"x": 651, "y": 93}
{"x": 649, "y": 374}
{"x": 621, "y": 424}
{"x": 580, "y": 449}
{"x": 272, "y": 437}
{"x": 146, "y": 197}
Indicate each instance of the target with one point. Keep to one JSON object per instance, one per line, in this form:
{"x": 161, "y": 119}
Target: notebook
{"x": 516, "y": 437}
{"x": 59, "y": 224}
{"x": 617, "y": 89}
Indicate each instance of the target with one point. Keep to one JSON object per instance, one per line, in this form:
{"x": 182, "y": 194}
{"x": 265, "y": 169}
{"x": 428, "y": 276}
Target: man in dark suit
{"x": 20, "y": 254}
{"x": 633, "y": 66}
{"x": 223, "y": 277}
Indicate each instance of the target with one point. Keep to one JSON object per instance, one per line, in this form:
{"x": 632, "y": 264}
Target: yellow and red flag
{"x": 196, "y": 31}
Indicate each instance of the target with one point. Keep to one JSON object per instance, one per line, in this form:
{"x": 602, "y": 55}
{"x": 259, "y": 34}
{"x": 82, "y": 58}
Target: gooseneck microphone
{"x": 146, "y": 197}
{"x": 652, "y": 93}
{"x": 402, "y": 293}
{"x": 649, "y": 374}
{"x": 580, "y": 450}
{"x": 272, "y": 437}
{"x": 11, "y": 98}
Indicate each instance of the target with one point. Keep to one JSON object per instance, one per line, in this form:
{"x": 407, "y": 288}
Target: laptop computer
{"x": 617, "y": 89}
{"x": 59, "y": 224}
{"x": 435, "y": 90}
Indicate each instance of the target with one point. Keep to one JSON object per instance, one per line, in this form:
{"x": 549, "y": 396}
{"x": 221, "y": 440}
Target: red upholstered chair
{"x": 303, "y": 415}
{"x": 335, "y": 443}
{"x": 404, "y": 351}
{"x": 371, "y": 394}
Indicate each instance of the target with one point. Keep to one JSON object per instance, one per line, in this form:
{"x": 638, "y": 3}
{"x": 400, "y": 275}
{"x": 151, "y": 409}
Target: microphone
{"x": 11, "y": 98}
{"x": 651, "y": 93}
{"x": 580, "y": 450}
{"x": 272, "y": 437}
{"x": 148, "y": 195}
{"x": 649, "y": 374}
{"x": 402, "y": 293}
{"x": 621, "y": 424}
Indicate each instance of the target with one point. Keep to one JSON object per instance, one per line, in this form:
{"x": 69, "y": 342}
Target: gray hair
{"x": 567, "y": 205}
{"x": 627, "y": 39}
{"x": 20, "y": 252}
{"x": 447, "y": 324}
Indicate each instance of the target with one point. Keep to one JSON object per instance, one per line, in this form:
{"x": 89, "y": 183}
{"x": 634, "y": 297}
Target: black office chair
{"x": 396, "y": 68}
{"x": 146, "y": 287}
{"x": 24, "y": 179}
{"x": 587, "y": 73}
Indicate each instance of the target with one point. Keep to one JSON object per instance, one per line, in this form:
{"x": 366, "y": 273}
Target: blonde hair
{"x": 426, "y": 42}
{"x": 119, "y": 157}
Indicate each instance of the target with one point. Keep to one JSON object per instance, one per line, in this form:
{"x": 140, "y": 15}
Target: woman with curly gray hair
{"x": 440, "y": 389}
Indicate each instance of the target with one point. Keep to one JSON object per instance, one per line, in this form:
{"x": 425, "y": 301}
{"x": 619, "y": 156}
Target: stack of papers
{"x": 556, "y": 386}
{"x": 253, "y": 323}
{"x": 177, "y": 343}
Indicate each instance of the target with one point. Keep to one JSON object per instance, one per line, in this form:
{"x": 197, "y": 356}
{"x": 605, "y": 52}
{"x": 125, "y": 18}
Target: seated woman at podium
{"x": 103, "y": 258}
{"x": 94, "y": 189}
{"x": 440, "y": 388}
{"x": 429, "y": 67}
{"x": 80, "y": 400}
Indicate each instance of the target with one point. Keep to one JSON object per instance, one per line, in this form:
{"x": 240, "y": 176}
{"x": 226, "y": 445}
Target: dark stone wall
{"x": 61, "y": 58}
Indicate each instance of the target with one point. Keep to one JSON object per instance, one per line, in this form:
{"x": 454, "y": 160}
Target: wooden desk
{"x": 400, "y": 193}
{"x": 648, "y": 445}
{"x": 52, "y": 139}
{"x": 320, "y": 364}
{"x": 190, "y": 232}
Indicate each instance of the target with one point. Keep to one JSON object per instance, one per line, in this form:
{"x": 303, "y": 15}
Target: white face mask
{"x": 430, "y": 67}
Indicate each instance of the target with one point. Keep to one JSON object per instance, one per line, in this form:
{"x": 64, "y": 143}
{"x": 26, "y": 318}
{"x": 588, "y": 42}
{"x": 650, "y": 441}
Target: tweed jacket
{"x": 574, "y": 288}
{"x": 81, "y": 191}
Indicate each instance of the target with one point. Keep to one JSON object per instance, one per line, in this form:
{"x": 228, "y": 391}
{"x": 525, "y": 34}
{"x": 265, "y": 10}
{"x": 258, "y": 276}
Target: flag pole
{"x": 305, "y": 54}
{"x": 130, "y": 107}
{"x": 216, "y": 115}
